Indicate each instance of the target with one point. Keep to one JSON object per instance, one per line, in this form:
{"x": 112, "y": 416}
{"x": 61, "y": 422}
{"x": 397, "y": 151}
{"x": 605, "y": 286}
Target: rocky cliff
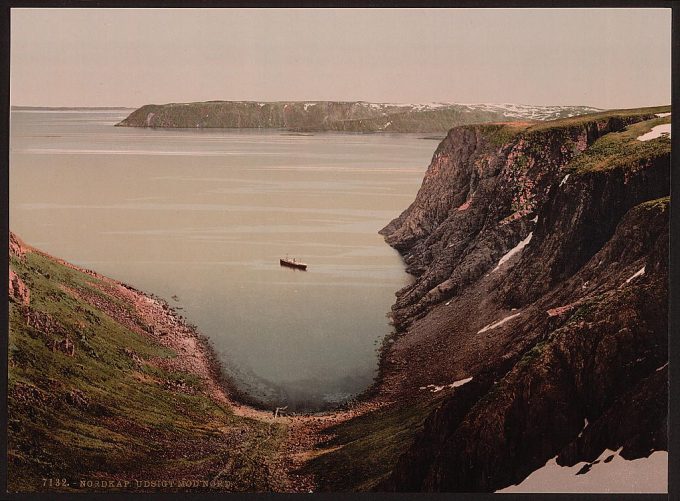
{"x": 541, "y": 261}
{"x": 356, "y": 116}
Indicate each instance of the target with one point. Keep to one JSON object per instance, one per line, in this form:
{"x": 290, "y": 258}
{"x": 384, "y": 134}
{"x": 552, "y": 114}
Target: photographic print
{"x": 312, "y": 250}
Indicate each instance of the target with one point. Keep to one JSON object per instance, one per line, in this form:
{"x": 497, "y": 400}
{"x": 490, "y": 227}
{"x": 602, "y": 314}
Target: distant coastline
{"x": 69, "y": 108}
{"x": 340, "y": 116}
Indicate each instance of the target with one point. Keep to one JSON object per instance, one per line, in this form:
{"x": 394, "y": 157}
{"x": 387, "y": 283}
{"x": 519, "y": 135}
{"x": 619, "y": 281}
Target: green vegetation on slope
{"x": 623, "y": 149}
{"x": 502, "y": 134}
{"x": 109, "y": 411}
{"x": 581, "y": 120}
{"x": 365, "y": 449}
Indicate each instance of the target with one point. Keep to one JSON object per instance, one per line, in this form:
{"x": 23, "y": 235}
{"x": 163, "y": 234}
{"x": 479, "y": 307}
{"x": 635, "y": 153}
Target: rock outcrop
{"x": 540, "y": 256}
{"x": 18, "y": 291}
{"x": 17, "y": 248}
{"x": 485, "y": 187}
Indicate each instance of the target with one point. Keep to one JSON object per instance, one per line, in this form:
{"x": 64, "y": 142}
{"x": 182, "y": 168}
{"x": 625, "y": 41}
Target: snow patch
{"x": 658, "y": 131}
{"x": 435, "y": 105}
{"x": 516, "y": 249}
{"x": 638, "y": 273}
{"x": 565, "y": 179}
{"x": 506, "y": 110}
{"x": 421, "y": 106}
{"x": 610, "y": 473}
{"x": 585, "y": 425}
{"x": 530, "y": 112}
{"x": 434, "y": 388}
{"x": 497, "y": 324}
{"x": 661, "y": 115}
{"x": 460, "y": 382}
{"x": 662, "y": 367}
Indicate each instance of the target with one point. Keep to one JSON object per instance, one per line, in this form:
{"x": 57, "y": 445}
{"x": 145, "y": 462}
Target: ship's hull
{"x": 293, "y": 264}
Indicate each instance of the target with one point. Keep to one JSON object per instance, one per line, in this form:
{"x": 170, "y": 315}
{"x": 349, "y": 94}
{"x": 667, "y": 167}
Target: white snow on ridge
{"x": 508, "y": 110}
{"x": 421, "y": 106}
{"x": 661, "y": 115}
{"x": 497, "y": 324}
{"x": 610, "y": 473}
{"x": 657, "y": 131}
{"x": 434, "y": 388}
{"x": 515, "y": 250}
{"x": 526, "y": 111}
{"x": 638, "y": 273}
{"x": 585, "y": 425}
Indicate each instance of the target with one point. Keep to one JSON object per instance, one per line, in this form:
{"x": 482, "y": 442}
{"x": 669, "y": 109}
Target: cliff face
{"x": 485, "y": 187}
{"x": 540, "y": 255}
{"x": 357, "y": 116}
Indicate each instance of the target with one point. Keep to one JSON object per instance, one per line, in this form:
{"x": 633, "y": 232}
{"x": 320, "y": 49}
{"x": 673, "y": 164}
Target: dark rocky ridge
{"x": 346, "y": 116}
{"x": 590, "y": 338}
{"x": 485, "y": 186}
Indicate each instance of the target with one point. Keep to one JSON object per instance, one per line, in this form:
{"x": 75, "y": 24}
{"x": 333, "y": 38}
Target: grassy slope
{"x": 102, "y": 411}
{"x": 437, "y": 120}
{"x": 364, "y": 450}
{"x": 623, "y": 149}
{"x": 502, "y": 132}
{"x": 583, "y": 119}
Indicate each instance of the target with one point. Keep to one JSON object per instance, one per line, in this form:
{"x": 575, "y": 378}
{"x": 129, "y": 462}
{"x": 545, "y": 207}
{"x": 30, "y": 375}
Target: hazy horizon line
{"x": 66, "y": 106}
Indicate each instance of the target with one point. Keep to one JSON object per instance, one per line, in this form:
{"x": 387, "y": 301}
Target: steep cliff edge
{"x": 486, "y": 185}
{"x": 346, "y": 116}
{"x": 540, "y": 254}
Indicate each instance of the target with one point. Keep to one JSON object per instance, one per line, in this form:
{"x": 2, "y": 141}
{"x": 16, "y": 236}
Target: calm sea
{"x": 205, "y": 215}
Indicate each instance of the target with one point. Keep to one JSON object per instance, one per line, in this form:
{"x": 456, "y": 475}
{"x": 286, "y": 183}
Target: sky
{"x": 606, "y": 58}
